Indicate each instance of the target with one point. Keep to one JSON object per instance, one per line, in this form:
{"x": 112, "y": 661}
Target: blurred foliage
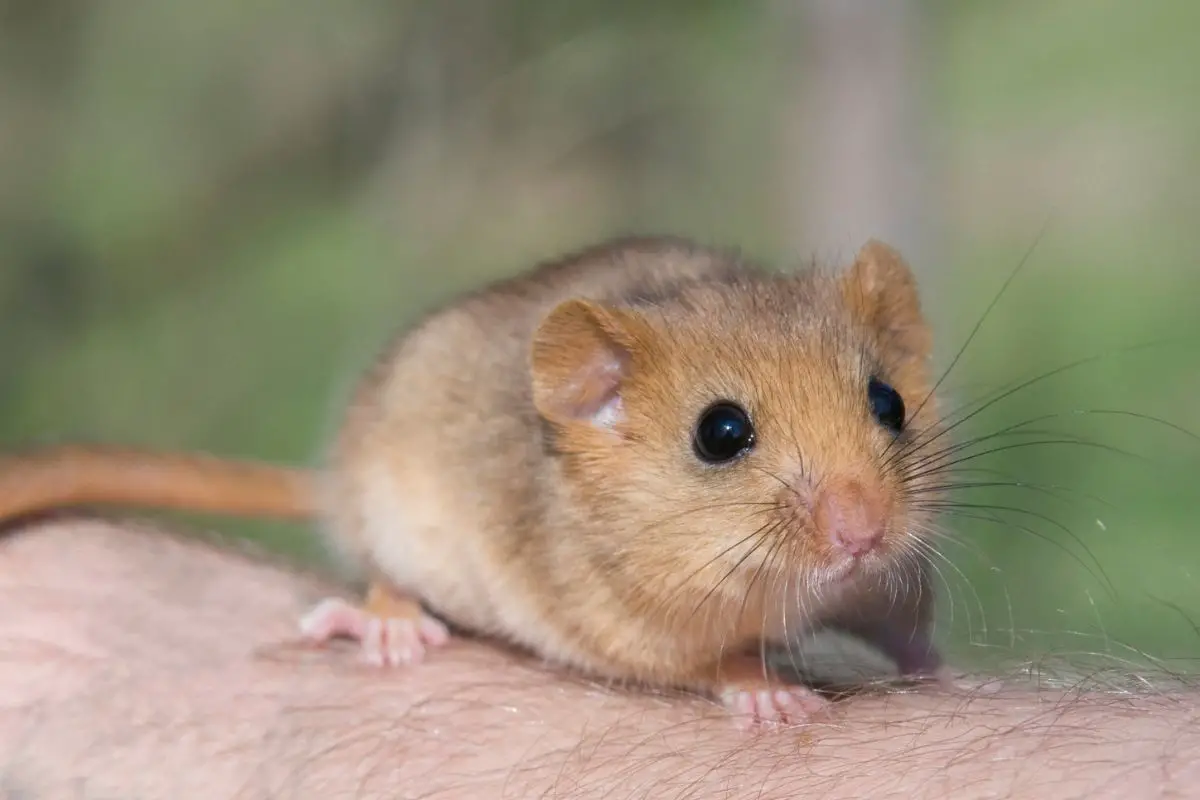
{"x": 212, "y": 213}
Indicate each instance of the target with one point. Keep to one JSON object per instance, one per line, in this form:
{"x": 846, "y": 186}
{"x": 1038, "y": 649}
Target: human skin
{"x": 138, "y": 664}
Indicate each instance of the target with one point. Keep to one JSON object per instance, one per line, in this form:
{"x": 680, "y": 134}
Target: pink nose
{"x": 850, "y": 516}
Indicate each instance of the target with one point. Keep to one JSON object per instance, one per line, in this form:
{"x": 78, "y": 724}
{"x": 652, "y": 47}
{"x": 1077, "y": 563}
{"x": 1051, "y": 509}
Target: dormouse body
{"x": 646, "y": 461}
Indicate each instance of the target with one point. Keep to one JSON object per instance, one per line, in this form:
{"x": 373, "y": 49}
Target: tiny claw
{"x": 396, "y": 635}
{"x": 784, "y": 706}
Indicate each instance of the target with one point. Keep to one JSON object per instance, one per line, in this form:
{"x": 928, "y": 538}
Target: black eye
{"x": 886, "y": 405}
{"x": 723, "y": 432}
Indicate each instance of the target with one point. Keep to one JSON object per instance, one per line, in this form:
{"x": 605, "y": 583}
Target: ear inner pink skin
{"x": 600, "y": 404}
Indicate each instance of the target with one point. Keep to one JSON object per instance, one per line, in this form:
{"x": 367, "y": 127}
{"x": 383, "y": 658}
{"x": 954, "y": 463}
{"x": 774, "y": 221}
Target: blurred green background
{"x": 211, "y": 215}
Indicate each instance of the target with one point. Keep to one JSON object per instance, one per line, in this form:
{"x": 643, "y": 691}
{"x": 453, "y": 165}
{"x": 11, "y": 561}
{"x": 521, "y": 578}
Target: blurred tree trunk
{"x": 851, "y": 164}
{"x": 851, "y": 168}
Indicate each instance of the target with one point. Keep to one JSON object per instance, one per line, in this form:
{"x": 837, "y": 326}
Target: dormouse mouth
{"x": 844, "y": 571}
{"x": 847, "y": 570}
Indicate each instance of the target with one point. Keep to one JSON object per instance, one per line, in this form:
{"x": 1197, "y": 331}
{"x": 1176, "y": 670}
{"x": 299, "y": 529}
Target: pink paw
{"x": 384, "y": 641}
{"x": 779, "y": 706}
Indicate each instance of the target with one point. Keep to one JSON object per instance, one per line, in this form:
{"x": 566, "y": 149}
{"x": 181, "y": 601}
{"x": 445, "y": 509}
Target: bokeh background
{"x": 212, "y": 214}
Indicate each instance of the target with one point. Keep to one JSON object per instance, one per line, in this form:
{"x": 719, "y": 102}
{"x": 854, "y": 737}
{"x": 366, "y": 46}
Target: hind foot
{"x": 391, "y": 629}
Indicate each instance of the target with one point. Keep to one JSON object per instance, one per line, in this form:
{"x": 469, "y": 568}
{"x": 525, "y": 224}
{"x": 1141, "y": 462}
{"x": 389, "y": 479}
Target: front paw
{"x": 764, "y": 705}
{"x": 391, "y": 631}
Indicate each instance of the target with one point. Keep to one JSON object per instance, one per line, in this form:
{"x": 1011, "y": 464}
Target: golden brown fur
{"x": 521, "y": 460}
{"x": 78, "y": 475}
{"x": 571, "y": 538}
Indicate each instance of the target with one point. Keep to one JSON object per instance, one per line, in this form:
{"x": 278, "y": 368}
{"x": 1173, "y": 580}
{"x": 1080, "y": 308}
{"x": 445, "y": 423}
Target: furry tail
{"x": 62, "y": 477}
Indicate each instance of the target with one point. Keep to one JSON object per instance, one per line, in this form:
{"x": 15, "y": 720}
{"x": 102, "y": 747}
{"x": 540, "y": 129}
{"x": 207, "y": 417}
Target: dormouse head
{"x": 761, "y": 427}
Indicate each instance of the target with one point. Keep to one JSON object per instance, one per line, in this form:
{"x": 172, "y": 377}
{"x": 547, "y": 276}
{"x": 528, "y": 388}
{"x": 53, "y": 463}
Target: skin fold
{"x": 136, "y": 664}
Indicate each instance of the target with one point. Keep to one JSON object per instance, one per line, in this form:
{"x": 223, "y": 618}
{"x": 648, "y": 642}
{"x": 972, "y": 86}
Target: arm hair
{"x": 137, "y": 664}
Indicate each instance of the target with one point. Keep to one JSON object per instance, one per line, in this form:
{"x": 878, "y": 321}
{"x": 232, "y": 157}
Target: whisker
{"x": 939, "y": 506}
{"x": 1020, "y": 445}
{"x": 1010, "y": 479}
{"x": 934, "y": 492}
{"x": 771, "y": 591}
{"x": 1135, "y": 415}
{"x": 679, "y": 587}
{"x": 763, "y": 536}
{"x": 996, "y": 520}
{"x": 934, "y": 552}
{"x": 791, "y": 639}
{"x": 932, "y": 555}
{"x": 763, "y": 565}
{"x": 763, "y": 505}
{"x": 1061, "y": 415}
{"x": 1017, "y": 429}
{"x": 1024, "y": 384}
{"x": 983, "y": 318}
{"x": 772, "y": 475}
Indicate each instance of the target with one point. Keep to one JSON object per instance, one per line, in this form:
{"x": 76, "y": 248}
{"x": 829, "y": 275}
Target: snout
{"x": 850, "y": 516}
{"x": 846, "y": 517}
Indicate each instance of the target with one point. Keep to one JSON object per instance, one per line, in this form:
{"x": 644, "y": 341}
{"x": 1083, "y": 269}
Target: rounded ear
{"x": 580, "y": 360}
{"x": 881, "y": 292}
